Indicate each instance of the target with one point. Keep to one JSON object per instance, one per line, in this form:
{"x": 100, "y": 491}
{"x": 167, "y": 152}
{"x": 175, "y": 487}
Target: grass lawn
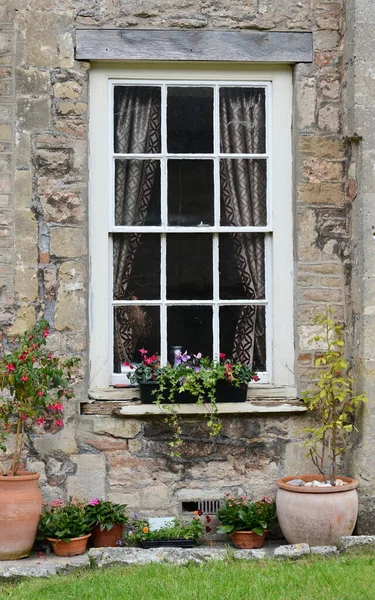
{"x": 343, "y": 578}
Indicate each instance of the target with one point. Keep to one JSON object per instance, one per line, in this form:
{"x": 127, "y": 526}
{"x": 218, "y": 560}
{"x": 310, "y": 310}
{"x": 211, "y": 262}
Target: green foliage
{"x": 195, "y": 375}
{"x": 332, "y": 399}
{"x": 238, "y": 513}
{"x": 105, "y": 514}
{"x": 139, "y": 531}
{"x": 34, "y": 384}
{"x": 63, "y": 522}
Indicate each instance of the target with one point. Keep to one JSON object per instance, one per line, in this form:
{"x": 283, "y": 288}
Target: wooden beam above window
{"x": 234, "y": 46}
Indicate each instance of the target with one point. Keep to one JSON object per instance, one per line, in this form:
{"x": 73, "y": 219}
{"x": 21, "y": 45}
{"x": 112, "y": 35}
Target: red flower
{"x": 200, "y": 512}
{"x": 208, "y": 529}
{"x": 126, "y": 364}
{"x": 10, "y": 367}
{"x": 50, "y": 356}
{"x": 131, "y": 366}
{"x": 23, "y": 417}
{"x": 45, "y": 332}
{"x": 59, "y": 422}
{"x": 255, "y": 378}
{"x": 208, "y": 519}
{"x": 40, "y": 421}
{"x": 222, "y": 355}
{"x": 40, "y": 393}
{"x": 24, "y": 378}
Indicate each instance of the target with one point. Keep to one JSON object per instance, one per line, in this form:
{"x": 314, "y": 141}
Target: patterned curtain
{"x": 243, "y": 192}
{"x": 137, "y": 130}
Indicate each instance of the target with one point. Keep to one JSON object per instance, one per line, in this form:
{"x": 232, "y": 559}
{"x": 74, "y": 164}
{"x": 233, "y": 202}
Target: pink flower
{"x": 59, "y": 423}
{"x": 126, "y": 364}
{"x": 50, "y": 356}
{"x": 40, "y": 393}
{"x": 23, "y": 417}
{"x": 143, "y": 351}
{"x": 255, "y": 378}
{"x": 24, "y": 378}
{"x": 222, "y": 355}
{"x": 198, "y": 356}
{"x": 10, "y": 367}
{"x": 46, "y": 333}
{"x": 40, "y": 421}
{"x": 56, "y": 503}
{"x": 94, "y": 502}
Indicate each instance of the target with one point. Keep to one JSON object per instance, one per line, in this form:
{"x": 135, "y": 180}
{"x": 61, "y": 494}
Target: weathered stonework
{"x": 44, "y": 236}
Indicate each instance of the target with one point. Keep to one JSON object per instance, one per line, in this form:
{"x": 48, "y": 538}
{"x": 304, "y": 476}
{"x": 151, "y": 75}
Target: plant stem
{"x": 17, "y": 447}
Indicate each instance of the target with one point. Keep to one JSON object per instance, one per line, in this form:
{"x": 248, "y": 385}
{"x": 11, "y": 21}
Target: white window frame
{"x": 278, "y": 252}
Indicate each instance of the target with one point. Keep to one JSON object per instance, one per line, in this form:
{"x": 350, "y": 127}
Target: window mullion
{"x": 163, "y": 295}
{"x": 216, "y": 130}
{"x": 215, "y": 308}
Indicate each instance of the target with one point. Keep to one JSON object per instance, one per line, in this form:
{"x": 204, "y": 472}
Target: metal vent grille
{"x": 209, "y": 507}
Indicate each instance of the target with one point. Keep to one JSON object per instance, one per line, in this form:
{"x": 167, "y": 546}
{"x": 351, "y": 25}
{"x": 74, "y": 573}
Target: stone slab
{"x": 292, "y": 551}
{"x": 357, "y": 541}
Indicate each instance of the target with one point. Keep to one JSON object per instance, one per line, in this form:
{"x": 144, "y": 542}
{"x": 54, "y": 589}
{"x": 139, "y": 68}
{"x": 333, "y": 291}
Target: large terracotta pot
{"x": 247, "y": 539}
{"x": 20, "y": 508}
{"x": 107, "y": 538}
{"x": 73, "y": 548}
{"x": 317, "y": 516}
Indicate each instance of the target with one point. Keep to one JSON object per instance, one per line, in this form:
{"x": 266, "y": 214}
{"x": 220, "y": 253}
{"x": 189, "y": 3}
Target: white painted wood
{"x": 236, "y": 46}
{"x": 195, "y": 409}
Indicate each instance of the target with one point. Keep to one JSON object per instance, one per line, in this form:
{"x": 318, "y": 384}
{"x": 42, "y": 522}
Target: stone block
{"x": 321, "y": 193}
{"x": 32, "y": 81}
{"x": 63, "y": 208}
{"x": 26, "y": 229}
{"x": 56, "y": 31}
{"x": 26, "y": 283}
{"x": 23, "y": 189}
{"x": 33, "y": 113}
{"x": 324, "y": 550}
{"x": 118, "y": 428}
{"x": 121, "y": 496}
{"x": 66, "y": 108}
{"x": 71, "y": 308}
{"x": 52, "y": 163}
{"x": 5, "y": 162}
{"x": 366, "y": 513}
{"x": 296, "y": 460}
{"x": 68, "y": 242}
{"x": 89, "y": 480}
{"x": 155, "y": 498}
{"x": 50, "y": 281}
{"x": 307, "y": 237}
{"x": 25, "y": 318}
{"x": 326, "y": 40}
{"x": 329, "y": 15}
{"x": 23, "y": 150}
{"x": 321, "y": 146}
{"x": 355, "y": 542}
{"x": 5, "y": 42}
{"x": 62, "y": 441}
{"x": 305, "y": 103}
{"x": 68, "y": 90}
{"x": 329, "y": 118}
{"x": 306, "y": 333}
{"x": 5, "y": 183}
{"x": 5, "y": 132}
{"x": 292, "y": 551}
{"x": 320, "y": 169}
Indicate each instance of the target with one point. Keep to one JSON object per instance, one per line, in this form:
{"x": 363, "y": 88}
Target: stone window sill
{"x": 124, "y": 402}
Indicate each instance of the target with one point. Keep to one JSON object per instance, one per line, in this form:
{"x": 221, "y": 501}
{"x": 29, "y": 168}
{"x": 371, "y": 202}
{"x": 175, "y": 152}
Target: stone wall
{"x": 45, "y": 134}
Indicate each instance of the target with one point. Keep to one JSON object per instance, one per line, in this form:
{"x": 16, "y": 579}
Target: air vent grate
{"x": 208, "y": 507}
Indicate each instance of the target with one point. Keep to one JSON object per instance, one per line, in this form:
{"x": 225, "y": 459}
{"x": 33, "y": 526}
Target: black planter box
{"x": 225, "y": 392}
{"x": 177, "y": 543}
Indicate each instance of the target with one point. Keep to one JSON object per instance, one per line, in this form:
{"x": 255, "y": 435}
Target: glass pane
{"x": 243, "y": 334}
{"x": 191, "y": 328}
{"x": 189, "y": 266}
{"x": 190, "y": 192}
{"x": 243, "y": 192}
{"x": 135, "y": 327}
{"x": 137, "y": 192}
{"x": 137, "y": 119}
{"x": 242, "y": 120}
{"x": 190, "y": 120}
{"x": 241, "y": 265}
{"x": 136, "y": 266}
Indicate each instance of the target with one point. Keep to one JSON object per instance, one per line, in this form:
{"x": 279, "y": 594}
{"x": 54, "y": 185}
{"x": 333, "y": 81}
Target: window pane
{"x": 136, "y": 266}
{"x": 242, "y": 120}
{"x": 243, "y": 191}
{"x": 190, "y": 120}
{"x": 189, "y": 266}
{"x": 137, "y": 119}
{"x": 190, "y": 192}
{"x": 241, "y": 265}
{"x": 137, "y": 192}
{"x": 243, "y": 334}
{"x": 135, "y": 327}
{"x": 191, "y": 328}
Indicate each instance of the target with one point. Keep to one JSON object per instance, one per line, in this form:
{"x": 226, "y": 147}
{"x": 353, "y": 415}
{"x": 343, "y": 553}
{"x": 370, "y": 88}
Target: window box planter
{"x": 224, "y": 393}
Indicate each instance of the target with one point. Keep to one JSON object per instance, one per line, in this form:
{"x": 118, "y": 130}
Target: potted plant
{"x": 245, "y": 521}
{"x": 66, "y": 526}
{"x": 34, "y": 384}
{"x": 319, "y": 509}
{"x": 192, "y": 379}
{"x": 106, "y": 521}
{"x": 177, "y": 533}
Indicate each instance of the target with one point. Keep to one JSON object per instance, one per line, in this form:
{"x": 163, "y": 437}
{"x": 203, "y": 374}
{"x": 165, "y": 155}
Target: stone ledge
{"x": 136, "y": 409}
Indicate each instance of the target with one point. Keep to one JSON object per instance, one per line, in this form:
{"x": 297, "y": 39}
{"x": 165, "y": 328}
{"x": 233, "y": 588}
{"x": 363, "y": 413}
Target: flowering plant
{"x": 34, "y": 384}
{"x": 63, "y": 522}
{"x": 105, "y": 514}
{"x": 147, "y": 370}
{"x": 238, "y": 513}
{"x": 139, "y": 531}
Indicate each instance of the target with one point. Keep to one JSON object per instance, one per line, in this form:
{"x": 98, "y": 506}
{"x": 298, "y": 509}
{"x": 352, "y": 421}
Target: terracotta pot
{"x": 75, "y": 546}
{"x": 107, "y": 538}
{"x": 247, "y": 539}
{"x": 20, "y": 508}
{"x": 316, "y": 516}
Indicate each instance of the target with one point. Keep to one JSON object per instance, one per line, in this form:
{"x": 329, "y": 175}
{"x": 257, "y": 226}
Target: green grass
{"x": 343, "y": 578}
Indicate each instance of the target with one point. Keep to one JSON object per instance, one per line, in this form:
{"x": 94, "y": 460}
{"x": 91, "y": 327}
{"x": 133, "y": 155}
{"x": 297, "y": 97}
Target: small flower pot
{"x": 73, "y": 548}
{"x": 247, "y": 540}
{"x": 107, "y": 538}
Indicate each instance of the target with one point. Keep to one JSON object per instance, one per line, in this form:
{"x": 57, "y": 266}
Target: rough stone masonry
{"x": 44, "y": 238}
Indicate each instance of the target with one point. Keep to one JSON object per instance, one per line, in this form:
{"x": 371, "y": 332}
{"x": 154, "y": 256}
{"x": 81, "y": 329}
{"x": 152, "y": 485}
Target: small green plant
{"x": 34, "y": 384}
{"x": 139, "y": 531}
{"x": 194, "y": 375}
{"x": 238, "y": 513}
{"x": 332, "y": 399}
{"x": 105, "y": 514}
{"x": 63, "y": 521}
